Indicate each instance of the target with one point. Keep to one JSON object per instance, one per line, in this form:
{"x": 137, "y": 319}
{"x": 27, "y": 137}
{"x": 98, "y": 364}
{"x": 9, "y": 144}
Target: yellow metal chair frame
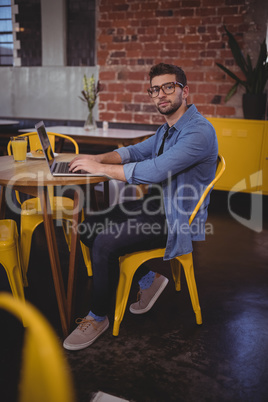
{"x": 31, "y": 212}
{"x": 131, "y": 262}
{"x": 45, "y": 374}
{"x": 10, "y": 256}
{"x": 35, "y": 144}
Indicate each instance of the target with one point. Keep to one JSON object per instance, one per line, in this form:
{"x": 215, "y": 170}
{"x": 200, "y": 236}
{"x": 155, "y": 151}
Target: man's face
{"x": 167, "y": 104}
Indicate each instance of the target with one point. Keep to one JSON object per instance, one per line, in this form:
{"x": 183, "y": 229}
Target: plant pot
{"x": 254, "y": 106}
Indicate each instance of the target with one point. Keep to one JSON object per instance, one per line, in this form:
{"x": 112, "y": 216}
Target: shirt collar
{"x": 191, "y": 110}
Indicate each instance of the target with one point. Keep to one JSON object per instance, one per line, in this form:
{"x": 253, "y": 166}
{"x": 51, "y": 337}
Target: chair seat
{"x": 129, "y": 263}
{"x": 33, "y": 206}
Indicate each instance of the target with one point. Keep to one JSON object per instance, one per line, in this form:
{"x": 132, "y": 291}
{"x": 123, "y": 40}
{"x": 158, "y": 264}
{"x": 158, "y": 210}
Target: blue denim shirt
{"x": 185, "y": 168}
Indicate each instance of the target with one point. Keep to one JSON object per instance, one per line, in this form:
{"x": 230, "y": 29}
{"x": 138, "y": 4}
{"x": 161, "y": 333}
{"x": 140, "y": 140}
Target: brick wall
{"x": 132, "y": 35}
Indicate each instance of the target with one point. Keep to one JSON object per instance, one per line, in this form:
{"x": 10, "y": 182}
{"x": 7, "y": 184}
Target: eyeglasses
{"x": 168, "y": 88}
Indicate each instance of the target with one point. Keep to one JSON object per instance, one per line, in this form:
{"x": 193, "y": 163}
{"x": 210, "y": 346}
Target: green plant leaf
{"x": 255, "y": 78}
{"x": 231, "y": 74}
{"x": 261, "y": 69}
{"x": 236, "y": 51}
{"x": 231, "y": 92}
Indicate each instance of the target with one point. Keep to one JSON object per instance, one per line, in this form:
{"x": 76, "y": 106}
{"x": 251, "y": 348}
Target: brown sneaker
{"x": 147, "y": 297}
{"x": 86, "y": 333}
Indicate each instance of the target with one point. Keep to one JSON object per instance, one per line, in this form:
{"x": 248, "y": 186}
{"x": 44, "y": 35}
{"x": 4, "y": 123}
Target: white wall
{"x": 44, "y": 92}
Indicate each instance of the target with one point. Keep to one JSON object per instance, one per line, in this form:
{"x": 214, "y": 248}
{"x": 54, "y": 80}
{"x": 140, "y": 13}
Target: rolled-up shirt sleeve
{"x": 124, "y": 153}
{"x": 133, "y": 154}
{"x": 129, "y": 171}
{"x": 128, "y": 167}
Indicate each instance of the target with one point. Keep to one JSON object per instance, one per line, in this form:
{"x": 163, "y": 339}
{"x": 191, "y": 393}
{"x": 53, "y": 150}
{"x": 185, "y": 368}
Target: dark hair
{"x": 162, "y": 68}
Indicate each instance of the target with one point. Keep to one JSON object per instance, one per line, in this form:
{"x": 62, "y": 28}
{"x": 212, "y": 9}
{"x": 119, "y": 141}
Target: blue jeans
{"x": 127, "y": 228}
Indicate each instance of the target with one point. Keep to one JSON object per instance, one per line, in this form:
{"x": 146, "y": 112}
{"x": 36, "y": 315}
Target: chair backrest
{"x": 35, "y": 142}
{"x": 45, "y": 375}
{"x": 219, "y": 172}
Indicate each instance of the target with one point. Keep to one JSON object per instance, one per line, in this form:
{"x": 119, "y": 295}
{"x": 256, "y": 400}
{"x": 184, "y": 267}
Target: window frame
{"x": 9, "y": 55}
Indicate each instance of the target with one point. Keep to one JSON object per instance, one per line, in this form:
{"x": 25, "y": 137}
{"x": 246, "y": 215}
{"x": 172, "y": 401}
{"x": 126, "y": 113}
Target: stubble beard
{"x": 171, "y": 108}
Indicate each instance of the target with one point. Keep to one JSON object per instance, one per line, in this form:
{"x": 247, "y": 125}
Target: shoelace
{"x": 84, "y": 323}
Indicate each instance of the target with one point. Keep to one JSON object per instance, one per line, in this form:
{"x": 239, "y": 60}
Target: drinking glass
{"x": 19, "y": 148}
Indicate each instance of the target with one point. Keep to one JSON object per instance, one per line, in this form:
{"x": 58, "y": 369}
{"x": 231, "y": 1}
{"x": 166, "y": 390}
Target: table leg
{"x": 54, "y": 259}
{"x": 93, "y": 198}
{"x": 74, "y": 254}
{"x": 106, "y": 194}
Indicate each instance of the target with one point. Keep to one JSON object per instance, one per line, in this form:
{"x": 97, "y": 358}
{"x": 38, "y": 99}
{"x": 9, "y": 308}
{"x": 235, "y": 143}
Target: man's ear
{"x": 185, "y": 92}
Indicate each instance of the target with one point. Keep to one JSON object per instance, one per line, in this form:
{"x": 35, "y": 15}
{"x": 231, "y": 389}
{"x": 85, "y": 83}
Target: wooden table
{"x": 99, "y": 136}
{"x": 33, "y": 177}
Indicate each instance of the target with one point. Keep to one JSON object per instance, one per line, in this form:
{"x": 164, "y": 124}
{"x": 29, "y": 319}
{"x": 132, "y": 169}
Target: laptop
{"x": 56, "y": 168}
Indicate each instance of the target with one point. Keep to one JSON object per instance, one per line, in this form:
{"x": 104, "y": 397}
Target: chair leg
{"x": 84, "y": 248}
{"x": 187, "y": 263}
{"x": 10, "y": 260}
{"x": 176, "y": 273}
{"x": 122, "y": 294}
{"x": 28, "y": 225}
{"x": 13, "y": 273}
{"x": 87, "y": 260}
{"x": 128, "y": 266}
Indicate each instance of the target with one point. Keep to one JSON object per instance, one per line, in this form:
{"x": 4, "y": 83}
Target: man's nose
{"x": 163, "y": 93}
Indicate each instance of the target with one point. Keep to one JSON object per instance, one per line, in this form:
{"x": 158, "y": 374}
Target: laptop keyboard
{"x": 62, "y": 167}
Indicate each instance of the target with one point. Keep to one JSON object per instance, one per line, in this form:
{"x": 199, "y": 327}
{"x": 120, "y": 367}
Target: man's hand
{"x": 96, "y": 164}
{"x": 85, "y": 162}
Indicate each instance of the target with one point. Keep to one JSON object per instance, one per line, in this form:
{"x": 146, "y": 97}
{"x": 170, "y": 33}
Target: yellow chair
{"x": 31, "y": 212}
{"x": 45, "y": 375}
{"x": 131, "y": 262}
{"x": 10, "y": 256}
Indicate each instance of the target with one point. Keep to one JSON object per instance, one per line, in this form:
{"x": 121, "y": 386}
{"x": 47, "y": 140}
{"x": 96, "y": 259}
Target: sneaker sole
{"x": 84, "y": 345}
{"x": 153, "y": 300}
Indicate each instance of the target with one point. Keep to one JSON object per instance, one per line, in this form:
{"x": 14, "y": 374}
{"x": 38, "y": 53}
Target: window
{"x": 28, "y": 32}
{"x": 81, "y": 33}
{"x": 6, "y": 35}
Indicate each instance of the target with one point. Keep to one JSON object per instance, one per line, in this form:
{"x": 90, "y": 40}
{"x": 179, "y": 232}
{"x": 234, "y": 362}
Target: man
{"x": 179, "y": 161}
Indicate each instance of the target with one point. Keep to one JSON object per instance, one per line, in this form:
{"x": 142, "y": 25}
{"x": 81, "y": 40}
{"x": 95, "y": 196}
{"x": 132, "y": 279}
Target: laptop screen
{"x": 47, "y": 149}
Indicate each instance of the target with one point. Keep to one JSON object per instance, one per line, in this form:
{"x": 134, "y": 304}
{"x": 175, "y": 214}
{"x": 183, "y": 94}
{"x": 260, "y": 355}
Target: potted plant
{"x": 254, "y": 100}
